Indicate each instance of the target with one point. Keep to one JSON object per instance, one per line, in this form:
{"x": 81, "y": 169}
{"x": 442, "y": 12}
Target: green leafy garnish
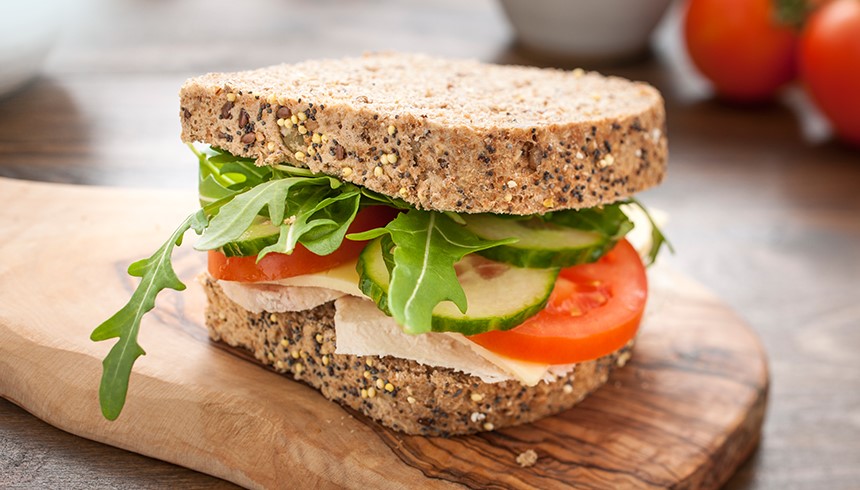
{"x": 607, "y": 220}
{"x": 426, "y": 247}
{"x": 322, "y": 223}
{"x": 611, "y": 222}
{"x": 157, "y": 274}
{"x": 315, "y": 211}
{"x": 223, "y": 175}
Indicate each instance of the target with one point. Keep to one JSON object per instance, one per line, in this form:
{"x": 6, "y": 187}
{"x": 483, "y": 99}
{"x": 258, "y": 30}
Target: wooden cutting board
{"x": 684, "y": 412}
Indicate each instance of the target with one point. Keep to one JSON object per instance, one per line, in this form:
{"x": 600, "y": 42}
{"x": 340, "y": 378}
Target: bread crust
{"x": 398, "y": 393}
{"x": 444, "y": 135}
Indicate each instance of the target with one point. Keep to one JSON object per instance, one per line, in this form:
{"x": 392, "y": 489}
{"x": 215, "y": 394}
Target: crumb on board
{"x": 527, "y": 458}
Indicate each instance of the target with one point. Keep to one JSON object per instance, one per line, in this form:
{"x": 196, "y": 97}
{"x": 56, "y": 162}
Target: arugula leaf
{"x": 295, "y": 171}
{"x": 237, "y": 215}
{"x": 335, "y": 215}
{"x": 317, "y": 221}
{"x": 223, "y": 175}
{"x": 610, "y": 221}
{"x": 157, "y": 274}
{"x": 371, "y": 197}
{"x": 426, "y": 247}
{"x": 318, "y": 212}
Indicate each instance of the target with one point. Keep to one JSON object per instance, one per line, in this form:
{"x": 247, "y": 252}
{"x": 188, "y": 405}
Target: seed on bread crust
{"x": 225, "y": 110}
{"x": 540, "y": 128}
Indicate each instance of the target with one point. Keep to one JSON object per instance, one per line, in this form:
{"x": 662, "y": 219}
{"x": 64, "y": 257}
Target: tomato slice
{"x": 594, "y": 310}
{"x": 302, "y": 261}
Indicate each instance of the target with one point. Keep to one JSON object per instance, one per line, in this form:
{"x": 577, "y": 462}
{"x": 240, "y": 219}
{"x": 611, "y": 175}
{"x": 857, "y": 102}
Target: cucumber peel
{"x": 499, "y": 296}
{"x": 557, "y": 239}
{"x": 261, "y": 234}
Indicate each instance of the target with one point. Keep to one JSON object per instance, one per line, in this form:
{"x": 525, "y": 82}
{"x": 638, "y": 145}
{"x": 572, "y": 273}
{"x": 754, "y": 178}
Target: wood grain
{"x": 684, "y": 413}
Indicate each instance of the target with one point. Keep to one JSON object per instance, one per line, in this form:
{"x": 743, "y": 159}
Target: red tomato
{"x": 830, "y": 64}
{"x": 595, "y": 309}
{"x": 738, "y": 45}
{"x": 302, "y": 261}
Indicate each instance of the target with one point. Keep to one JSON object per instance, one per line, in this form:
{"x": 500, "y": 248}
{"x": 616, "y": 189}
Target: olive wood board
{"x": 684, "y": 412}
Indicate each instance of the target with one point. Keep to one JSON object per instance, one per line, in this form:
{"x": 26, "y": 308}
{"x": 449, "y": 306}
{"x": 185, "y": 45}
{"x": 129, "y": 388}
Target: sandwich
{"x": 436, "y": 244}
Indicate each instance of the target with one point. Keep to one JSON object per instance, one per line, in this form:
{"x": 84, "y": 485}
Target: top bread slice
{"x": 443, "y": 135}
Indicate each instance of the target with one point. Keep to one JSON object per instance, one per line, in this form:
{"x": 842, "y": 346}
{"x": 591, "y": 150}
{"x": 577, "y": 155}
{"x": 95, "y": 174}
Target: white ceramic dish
{"x": 593, "y": 30}
{"x": 28, "y": 29}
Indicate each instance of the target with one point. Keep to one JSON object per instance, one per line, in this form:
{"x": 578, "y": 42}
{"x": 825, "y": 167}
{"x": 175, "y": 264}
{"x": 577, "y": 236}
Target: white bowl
{"x": 592, "y": 30}
{"x": 28, "y": 29}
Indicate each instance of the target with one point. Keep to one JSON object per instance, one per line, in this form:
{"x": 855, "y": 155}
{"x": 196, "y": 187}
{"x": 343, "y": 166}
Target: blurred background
{"x": 763, "y": 191}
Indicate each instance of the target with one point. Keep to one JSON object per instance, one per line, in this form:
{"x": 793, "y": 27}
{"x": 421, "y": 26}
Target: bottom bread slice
{"x": 398, "y": 393}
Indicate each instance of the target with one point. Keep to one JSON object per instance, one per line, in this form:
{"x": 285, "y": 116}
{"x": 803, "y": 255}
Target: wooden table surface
{"x": 765, "y": 208}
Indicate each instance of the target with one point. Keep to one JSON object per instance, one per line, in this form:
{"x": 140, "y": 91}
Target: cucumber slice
{"x": 499, "y": 296}
{"x": 258, "y": 236}
{"x": 540, "y": 244}
{"x": 373, "y": 275}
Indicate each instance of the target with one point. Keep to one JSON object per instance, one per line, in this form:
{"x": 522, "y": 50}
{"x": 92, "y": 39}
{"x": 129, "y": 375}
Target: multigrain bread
{"x": 533, "y": 140}
{"x": 402, "y": 394}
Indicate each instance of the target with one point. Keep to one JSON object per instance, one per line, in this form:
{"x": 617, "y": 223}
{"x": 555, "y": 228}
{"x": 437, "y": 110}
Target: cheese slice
{"x": 342, "y": 278}
{"x": 527, "y": 373}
